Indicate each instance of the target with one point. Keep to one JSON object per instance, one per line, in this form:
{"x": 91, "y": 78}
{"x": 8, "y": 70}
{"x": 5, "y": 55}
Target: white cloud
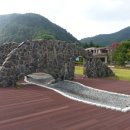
{"x": 109, "y": 10}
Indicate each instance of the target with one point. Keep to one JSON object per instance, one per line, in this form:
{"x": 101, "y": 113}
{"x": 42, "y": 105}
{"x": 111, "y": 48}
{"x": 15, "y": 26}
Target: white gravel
{"x": 82, "y": 93}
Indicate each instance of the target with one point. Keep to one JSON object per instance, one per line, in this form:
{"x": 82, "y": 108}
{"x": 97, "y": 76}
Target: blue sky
{"x": 82, "y": 18}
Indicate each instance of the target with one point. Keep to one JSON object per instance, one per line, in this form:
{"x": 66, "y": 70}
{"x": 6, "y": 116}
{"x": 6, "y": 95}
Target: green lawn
{"x": 122, "y": 74}
{"x": 79, "y": 70}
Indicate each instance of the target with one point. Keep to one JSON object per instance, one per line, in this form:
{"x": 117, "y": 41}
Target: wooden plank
{"x": 32, "y": 108}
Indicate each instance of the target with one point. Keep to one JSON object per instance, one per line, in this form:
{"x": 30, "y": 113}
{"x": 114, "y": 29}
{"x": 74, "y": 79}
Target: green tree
{"x": 90, "y": 44}
{"x": 42, "y": 35}
{"x": 122, "y": 53}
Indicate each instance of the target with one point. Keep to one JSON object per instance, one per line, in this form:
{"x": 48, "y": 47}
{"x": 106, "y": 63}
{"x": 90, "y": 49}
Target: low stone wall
{"x": 95, "y": 68}
{"x": 50, "y": 56}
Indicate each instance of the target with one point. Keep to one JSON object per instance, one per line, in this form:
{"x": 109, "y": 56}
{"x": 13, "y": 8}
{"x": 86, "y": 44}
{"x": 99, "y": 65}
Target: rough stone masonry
{"x": 50, "y": 56}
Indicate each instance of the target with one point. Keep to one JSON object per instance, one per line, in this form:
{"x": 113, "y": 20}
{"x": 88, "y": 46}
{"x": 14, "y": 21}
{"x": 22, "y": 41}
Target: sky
{"x": 82, "y": 18}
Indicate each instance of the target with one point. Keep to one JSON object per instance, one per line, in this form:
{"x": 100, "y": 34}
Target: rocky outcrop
{"x": 95, "y": 68}
{"x": 49, "y": 56}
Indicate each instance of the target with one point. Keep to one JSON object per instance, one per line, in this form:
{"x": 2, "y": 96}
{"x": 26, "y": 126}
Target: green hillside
{"x": 21, "y": 27}
{"x": 107, "y": 39}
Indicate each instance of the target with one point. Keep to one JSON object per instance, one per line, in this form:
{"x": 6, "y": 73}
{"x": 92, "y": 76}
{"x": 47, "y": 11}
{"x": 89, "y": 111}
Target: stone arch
{"x": 5, "y": 49}
{"x": 53, "y": 57}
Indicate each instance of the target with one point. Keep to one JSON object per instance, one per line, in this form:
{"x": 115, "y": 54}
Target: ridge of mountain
{"x": 107, "y": 39}
{"x": 20, "y": 27}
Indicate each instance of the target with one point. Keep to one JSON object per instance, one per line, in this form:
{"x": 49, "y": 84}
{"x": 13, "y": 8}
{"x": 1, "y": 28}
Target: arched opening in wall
{"x": 79, "y": 62}
{"x": 39, "y": 78}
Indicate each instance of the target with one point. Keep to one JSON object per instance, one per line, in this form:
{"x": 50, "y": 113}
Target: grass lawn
{"x": 122, "y": 74}
{"x": 79, "y": 70}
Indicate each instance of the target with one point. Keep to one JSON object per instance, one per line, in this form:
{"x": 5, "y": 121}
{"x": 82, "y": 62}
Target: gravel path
{"x": 82, "y": 93}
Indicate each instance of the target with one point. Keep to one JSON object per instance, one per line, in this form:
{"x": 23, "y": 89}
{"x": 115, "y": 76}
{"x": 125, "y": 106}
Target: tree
{"x": 90, "y": 44}
{"x": 122, "y": 53}
{"x": 42, "y": 35}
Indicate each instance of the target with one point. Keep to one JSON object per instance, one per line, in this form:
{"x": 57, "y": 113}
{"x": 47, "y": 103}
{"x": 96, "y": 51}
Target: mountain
{"x": 107, "y": 39}
{"x": 29, "y": 26}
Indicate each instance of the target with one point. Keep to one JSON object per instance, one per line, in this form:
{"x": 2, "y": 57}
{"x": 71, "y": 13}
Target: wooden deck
{"x": 35, "y": 108}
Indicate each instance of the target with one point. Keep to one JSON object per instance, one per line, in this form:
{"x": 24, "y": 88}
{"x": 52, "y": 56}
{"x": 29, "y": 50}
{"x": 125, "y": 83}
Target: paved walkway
{"x": 35, "y": 108}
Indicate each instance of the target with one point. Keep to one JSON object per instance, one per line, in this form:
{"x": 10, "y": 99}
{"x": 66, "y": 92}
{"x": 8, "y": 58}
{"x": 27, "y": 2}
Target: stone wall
{"x": 94, "y": 68}
{"x": 5, "y": 49}
{"x": 52, "y": 57}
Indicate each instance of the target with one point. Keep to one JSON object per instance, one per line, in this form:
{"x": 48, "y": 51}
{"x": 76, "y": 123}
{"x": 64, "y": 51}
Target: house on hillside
{"x": 101, "y": 53}
{"x": 104, "y": 53}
